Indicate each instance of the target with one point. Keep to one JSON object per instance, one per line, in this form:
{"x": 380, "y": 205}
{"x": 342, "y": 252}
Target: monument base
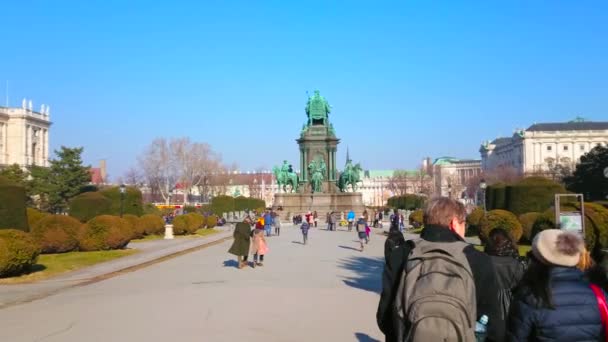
{"x": 295, "y": 204}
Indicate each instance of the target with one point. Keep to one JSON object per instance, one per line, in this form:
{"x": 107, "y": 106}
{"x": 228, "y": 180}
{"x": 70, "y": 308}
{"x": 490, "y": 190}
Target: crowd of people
{"x": 440, "y": 288}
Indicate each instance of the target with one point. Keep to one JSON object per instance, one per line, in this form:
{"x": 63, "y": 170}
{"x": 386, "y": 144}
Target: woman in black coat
{"x": 242, "y": 241}
{"x": 554, "y": 301}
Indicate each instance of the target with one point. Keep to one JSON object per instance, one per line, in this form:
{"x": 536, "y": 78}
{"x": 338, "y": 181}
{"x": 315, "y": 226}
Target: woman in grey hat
{"x": 554, "y": 301}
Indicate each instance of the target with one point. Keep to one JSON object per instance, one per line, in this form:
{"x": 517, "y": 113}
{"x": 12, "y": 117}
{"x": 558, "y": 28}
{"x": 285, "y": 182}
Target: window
{"x": 565, "y": 147}
{"x": 582, "y": 147}
{"x": 549, "y": 147}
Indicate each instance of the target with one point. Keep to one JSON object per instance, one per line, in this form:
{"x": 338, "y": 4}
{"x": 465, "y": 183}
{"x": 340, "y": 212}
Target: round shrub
{"x": 150, "y": 208}
{"x": 211, "y": 221}
{"x": 527, "y": 224}
{"x": 598, "y": 219}
{"x": 18, "y": 252}
{"x": 105, "y": 232}
{"x": 473, "y": 220}
{"x": 181, "y": 225}
{"x": 33, "y": 216}
{"x": 416, "y": 218}
{"x": 57, "y": 233}
{"x": 13, "y": 214}
{"x": 500, "y": 219}
{"x": 136, "y": 225}
{"x": 89, "y": 205}
{"x": 196, "y": 221}
{"x": 152, "y": 224}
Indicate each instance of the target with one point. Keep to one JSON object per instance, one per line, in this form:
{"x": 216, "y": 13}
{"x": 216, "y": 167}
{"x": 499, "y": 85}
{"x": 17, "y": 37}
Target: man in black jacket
{"x": 444, "y": 221}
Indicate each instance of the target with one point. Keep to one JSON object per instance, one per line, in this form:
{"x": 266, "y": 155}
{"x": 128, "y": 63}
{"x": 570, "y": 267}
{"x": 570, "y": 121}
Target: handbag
{"x": 601, "y": 302}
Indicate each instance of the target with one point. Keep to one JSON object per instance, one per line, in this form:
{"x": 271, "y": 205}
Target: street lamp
{"x": 170, "y": 195}
{"x": 450, "y": 190}
{"x": 123, "y": 189}
{"x": 483, "y": 186}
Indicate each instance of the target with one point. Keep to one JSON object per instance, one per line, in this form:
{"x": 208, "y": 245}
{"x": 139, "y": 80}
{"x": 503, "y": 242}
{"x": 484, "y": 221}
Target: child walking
{"x": 259, "y": 248}
{"x": 305, "y": 227}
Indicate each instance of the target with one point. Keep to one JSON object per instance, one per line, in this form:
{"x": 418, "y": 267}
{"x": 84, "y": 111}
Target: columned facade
{"x": 24, "y": 136}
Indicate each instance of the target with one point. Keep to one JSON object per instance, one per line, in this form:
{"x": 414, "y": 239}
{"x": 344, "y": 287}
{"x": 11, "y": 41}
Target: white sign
{"x": 571, "y": 221}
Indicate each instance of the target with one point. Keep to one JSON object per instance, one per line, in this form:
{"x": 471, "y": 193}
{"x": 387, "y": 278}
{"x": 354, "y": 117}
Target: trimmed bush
{"x": 533, "y": 194}
{"x": 500, "y": 219}
{"x": 133, "y": 203}
{"x": 527, "y": 221}
{"x": 138, "y": 229}
{"x": 151, "y": 209}
{"x": 195, "y": 222}
{"x": 499, "y": 191}
{"x": 598, "y": 218}
{"x": 407, "y": 201}
{"x": 13, "y": 214}
{"x": 89, "y": 205}
{"x": 105, "y": 232}
{"x": 222, "y": 204}
{"x": 416, "y": 218}
{"x": 190, "y": 209}
{"x": 18, "y": 252}
{"x": 181, "y": 225}
{"x": 33, "y": 216}
{"x": 211, "y": 221}
{"x": 473, "y": 220}
{"x": 152, "y": 224}
{"x": 546, "y": 220}
{"x": 57, "y": 233}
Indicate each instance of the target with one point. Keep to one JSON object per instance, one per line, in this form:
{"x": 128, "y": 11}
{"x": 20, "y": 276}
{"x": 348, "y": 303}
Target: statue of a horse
{"x": 285, "y": 178}
{"x": 350, "y": 177}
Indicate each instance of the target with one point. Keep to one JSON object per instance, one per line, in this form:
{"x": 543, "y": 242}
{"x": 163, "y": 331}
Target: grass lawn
{"x": 53, "y": 264}
{"x": 205, "y": 232}
{"x": 199, "y": 233}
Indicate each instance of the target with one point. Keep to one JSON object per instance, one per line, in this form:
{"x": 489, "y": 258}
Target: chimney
{"x": 102, "y": 170}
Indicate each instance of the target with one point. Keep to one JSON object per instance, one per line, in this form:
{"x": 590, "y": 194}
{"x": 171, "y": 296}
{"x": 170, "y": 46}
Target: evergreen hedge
{"x": 533, "y": 194}
{"x": 499, "y": 218}
{"x": 57, "y": 233}
{"x": 105, "y": 232}
{"x": 152, "y": 224}
{"x": 136, "y": 225}
{"x": 222, "y": 204}
{"x": 527, "y": 221}
{"x": 406, "y": 202}
{"x": 133, "y": 203}
{"x": 33, "y": 216}
{"x": 211, "y": 221}
{"x": 18, "y": 252}
{"x": 13, "y": 214}
{"x": 473, "y": 220}
{"x": 89, "y": 205}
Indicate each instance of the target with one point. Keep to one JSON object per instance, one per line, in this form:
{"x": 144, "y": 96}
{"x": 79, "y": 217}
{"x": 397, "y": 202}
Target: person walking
{"x": 509, "y": 269}
{"x": 315, "y": 217}
{"x": 242, "y": 240}
{"x": 351, "y": 219}
{"x": 277, "y": 225}
{"x": 438, "y": 268}
{"x": 268, "y": 222}
{"x": 304, "y": 228}
{"x": 554, "y": 301}
{"x": 361, "y": 225}
{"x": 259, "y": 248}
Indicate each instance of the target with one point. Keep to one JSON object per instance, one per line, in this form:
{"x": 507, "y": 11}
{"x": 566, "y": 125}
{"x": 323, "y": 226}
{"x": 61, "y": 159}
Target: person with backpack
{"x": 509, "y": 268}
{"x": 351, "y": 219}
{"x": 555, "y": 302}
{"x": 304, "y": 228}
{"x": 435, "y": 288}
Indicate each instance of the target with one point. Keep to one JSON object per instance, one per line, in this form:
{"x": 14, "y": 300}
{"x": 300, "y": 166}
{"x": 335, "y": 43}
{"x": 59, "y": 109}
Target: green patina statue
{"x": 351, "y": 176}
{"x": 317, "y": 110}
{"x": 317, "y": 169}
{"x": 286, "y": 176}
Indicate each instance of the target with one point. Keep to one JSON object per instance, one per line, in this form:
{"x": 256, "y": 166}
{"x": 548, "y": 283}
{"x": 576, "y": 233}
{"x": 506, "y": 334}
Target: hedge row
{"x": 533, "y": 194}
{"x": 106, "y": 202}
{"x": 407, "y": 202}
{"x": 18, "y": 252}
{"x": 13, "y": 214}
{"x": 225, "y": 204}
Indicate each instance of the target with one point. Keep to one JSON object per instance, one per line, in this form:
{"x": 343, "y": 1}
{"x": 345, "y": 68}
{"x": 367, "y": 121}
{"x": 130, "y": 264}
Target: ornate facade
{"x": 24, "y": 136}
{"x": 544, "y": 146}
{"x": 450, "y": 175}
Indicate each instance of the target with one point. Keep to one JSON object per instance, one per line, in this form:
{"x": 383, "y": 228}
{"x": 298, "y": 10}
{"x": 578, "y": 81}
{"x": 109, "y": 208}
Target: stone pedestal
{"x": 322, "y": 203}
{"x": 168, "y": 232}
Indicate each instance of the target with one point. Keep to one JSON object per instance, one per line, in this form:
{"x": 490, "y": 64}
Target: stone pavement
{"x": 325, "y": 291}
{"x": 149, "y": 251}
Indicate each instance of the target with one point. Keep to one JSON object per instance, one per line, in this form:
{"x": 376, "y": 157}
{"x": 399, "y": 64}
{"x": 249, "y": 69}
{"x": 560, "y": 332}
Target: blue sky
{"x": 405, "y": 79}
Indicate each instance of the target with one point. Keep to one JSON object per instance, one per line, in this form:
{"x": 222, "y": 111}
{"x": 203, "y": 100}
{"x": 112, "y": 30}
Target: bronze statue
{"x": 317, "y": 110}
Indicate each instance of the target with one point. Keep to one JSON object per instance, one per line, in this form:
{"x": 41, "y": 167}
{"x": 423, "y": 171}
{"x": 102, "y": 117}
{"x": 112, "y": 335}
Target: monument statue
{"x": 317, "y": 169}
{"x": 285, "y": 176}
{"x": 317, "y": 110}
{"x": 351, "y": 176}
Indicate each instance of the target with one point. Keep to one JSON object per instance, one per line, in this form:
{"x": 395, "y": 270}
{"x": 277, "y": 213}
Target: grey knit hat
{"x": 556, "y": 247}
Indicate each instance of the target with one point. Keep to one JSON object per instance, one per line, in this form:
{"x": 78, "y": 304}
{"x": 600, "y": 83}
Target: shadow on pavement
{"x": 231, "y": 263}
{"x": 361, "y": 337}
{"x": 368, "y": 272}
{"x": 348, "y": 247}
{"x": 298, "y": 242}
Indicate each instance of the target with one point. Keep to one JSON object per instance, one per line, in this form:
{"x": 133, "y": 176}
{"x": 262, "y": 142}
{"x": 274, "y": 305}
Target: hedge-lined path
{"x": 324, "y": 291}
{"x": 149, "y": 251}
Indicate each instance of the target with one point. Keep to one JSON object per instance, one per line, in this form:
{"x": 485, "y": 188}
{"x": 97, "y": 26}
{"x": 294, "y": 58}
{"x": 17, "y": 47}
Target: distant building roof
{"x": 452, "y": 160}
{"x": 568, "y": 126}
{"x": 96, "y": 175}
{"x": 501, "y": 141}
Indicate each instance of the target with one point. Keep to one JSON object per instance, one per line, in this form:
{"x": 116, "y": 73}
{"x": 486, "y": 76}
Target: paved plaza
{"x": 325, "y": 291}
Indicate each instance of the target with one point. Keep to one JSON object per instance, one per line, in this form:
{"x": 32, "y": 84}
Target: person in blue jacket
{"x": 554, "y": 301}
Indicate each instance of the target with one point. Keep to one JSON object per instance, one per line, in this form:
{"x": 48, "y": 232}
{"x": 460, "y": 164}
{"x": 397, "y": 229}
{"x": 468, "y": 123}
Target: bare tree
{"x": 133, "y": 177}
{"x": 159, "y": 167}
{"x": 195, "y": 162}
{"x": 398, "y": 182}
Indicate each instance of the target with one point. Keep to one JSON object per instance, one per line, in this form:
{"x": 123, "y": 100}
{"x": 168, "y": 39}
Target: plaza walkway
{"x": 324, "y": 291}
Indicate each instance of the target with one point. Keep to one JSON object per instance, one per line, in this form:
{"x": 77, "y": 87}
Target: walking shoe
{"x": 260, "y": 264}
{"x": 253, "y": 264}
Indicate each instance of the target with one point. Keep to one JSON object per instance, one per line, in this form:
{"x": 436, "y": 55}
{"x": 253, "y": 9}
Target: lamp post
{"x": 450, "y": 190}
{"x": 483, "y": 186}
{"x": 123, "y": 189}
{"x": 170, "y": 195}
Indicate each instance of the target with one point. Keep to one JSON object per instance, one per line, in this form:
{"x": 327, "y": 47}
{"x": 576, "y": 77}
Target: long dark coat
{"x": 242, "y": 239}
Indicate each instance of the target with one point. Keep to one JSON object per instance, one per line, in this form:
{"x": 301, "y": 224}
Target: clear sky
{"x": 406, "y": 79}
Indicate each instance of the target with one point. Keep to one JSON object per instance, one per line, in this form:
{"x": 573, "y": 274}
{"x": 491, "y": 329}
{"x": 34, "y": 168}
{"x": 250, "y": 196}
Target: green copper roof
{"x": 445, "y": 161}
